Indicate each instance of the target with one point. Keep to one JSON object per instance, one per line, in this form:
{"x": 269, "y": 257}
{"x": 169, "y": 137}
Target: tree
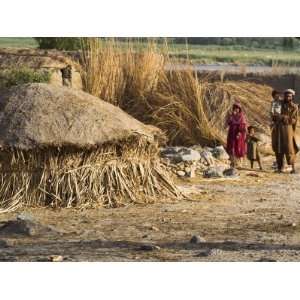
{"x": 59, "y": 43}
{"x": 288, "y": 43}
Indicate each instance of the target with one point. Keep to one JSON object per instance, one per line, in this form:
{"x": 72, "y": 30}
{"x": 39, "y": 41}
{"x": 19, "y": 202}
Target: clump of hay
{"x": 124, "y": 74}
{"x": 62, "y": 148}
{"x": 219, "y": 97}
{"x": 191, "y": 111}
{"x": 178, "y": 109}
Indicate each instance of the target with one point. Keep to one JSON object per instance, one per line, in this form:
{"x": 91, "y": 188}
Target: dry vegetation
{"x": 190, "y": 111}
{"x": 111, "y": 176}
{"x": 86, "y": 158}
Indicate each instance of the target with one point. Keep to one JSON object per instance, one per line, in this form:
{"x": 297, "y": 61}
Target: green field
{"x": 16, "y": 42}
{"x": 204, "y": 54}
{"x": 224, "y": 54}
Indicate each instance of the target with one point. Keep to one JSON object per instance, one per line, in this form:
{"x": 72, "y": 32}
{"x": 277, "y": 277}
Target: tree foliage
{"x": 59, "y": 43}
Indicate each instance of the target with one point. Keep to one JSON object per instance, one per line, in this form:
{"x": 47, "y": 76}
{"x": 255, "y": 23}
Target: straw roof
{"x": 41, "y": 115}
{"x": 34, "y": 59}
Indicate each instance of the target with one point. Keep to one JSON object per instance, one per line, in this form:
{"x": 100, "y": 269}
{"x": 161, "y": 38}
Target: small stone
{"x": 262, "y": 199}
{"x": 184, "y": 211}
{"x": 149, "y": 247}
{"x": 265, "y": 259}
{"x": 207, "y": 157}
{"x": 215, "y": 252}
{"x": 154, "y": 228}
{"x": 180, "y": 173}
{"x": 56, "y": 258}
{"x": 144, "y": 236}
{"x": 25, "y": 217}
{"x": 253, "y": 174}
{"x": 187, "y": 169}
{"x": 214, "y": 172}
{"x": 196, "y": 239}
{"x": 24, "y": 227}
{"x": 280, "y": 217}
{"x": 231, "y": 172}
{"x": 220, "y": 153}
{"x": 191, "y": 155}
{"x": 293, "y": 224}
{"x": 3, "y": 244}
{"x": 204, "y": 253}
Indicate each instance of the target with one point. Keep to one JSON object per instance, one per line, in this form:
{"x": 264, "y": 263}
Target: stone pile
{"x": 196, "y": 161}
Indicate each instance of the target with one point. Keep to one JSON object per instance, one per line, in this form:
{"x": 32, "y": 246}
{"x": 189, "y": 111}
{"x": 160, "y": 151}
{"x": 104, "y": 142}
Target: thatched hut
{"x": 52, "y": 61}
{"x": 62, "y": 147}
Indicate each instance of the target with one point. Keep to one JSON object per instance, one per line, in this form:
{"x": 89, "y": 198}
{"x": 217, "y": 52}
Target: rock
{"x": 179, "y": 154}
{"x": 252, "y": 174}
{"x": 292, "y": 224}
{"x": 196, "y": 239}
{"x": 220, "y": 153}
{"x": 24, "y": 227}
{"x": 144, "y": 236}
{"x": 197, "y": 148}
{"x": 3, "y": 244}
{"x": 149, "y": 247}
{"x": 214, "y": 172}
{"x": 204, "y": 253}
{"x": 231, "y": 172}
{"x": 191, "y": 155}
{"x": 154, "y": 228}
{"x": 180, "y": 173}
{"x": 265, "y": 259}
{"x": 56, "y": 258}
{"x": 207, "y": 157}
{"x": 169, "y": 150}
{"x": 190, "y": 171}
{"x": 25, "y": 217}
{"x": 187, "y": 169}
{"x": 215, "y": 252}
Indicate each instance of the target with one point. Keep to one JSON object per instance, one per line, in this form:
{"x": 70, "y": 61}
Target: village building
{"x": 63, "y": 69}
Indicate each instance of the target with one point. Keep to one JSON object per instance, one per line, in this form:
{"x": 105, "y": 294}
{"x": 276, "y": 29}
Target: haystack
{"x": 65, "y": 148}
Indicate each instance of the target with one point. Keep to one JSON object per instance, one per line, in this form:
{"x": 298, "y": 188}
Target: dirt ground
{"x": 255, "y": 217}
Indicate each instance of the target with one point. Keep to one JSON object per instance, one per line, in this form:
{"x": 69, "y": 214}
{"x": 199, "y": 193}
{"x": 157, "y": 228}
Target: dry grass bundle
{"x": 122, "y": 74}
{"x": 110, "y": 176}
{"x": 190, "y": 111}
{"x": 254, "y": 98}
{"x": 194, "y": 112}
{"x": 102, "y": 70}
{"x": 63, "y": 147}
{"x": 178, "y": 109}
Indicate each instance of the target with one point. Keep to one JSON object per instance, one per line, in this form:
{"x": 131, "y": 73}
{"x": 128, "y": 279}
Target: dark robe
{"x": 283, "y": 132}
{"x": 252, "y": 148}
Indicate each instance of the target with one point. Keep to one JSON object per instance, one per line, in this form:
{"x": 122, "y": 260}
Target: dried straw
{"x": 190, "y": 111}
{"x": 109, "y": 176}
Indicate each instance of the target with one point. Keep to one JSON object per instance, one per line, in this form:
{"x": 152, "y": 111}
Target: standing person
{"x": 283, "y": 135}
{"x": 236, "y": 138}
{"x": 252, "y": 148}
{"x": 66, "y": 74}
{"x": 275, "y": 111}
{"x": 276, "y": 103}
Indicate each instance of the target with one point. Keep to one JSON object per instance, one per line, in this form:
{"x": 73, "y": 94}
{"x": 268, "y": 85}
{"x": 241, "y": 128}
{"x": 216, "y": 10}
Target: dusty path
{"x": 248, "y": 219}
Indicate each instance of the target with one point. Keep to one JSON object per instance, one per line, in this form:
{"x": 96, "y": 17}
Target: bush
{"x": 13, "y": 77}
{"x": 59, "y": 43}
